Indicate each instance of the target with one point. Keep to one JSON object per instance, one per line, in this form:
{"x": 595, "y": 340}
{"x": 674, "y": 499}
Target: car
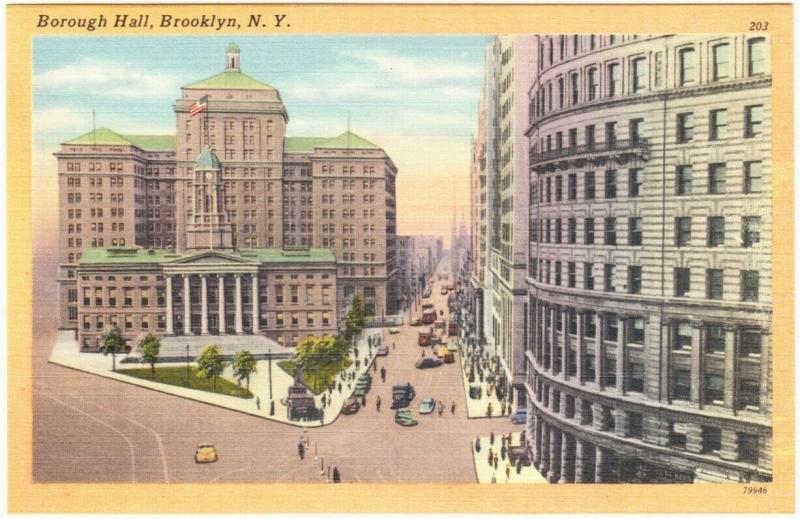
{"x": 417, "y": 322}
{"x": 442, "y": 352}
{"x": 427, "y": 406}
{"x": 475, "y": 392}
{"x": 351, "y": 405}
{"x": 383, "y": 350}
{"x": 443, "y": 291}
{"x": 520, "y": 453}
{"x": 452, "y": 346}
{"x": 394, "y": 331}
{"x": 362, "y": 388}
{"x": 365, "y": 377}
{"x": 402, "y": 395}
{"x": 520, "y": 416}
{"x": 404, "y": 418}
{"x": 428, "y": 362}
{"x": 205, "y": 453}
{"x": 449, "y": 358}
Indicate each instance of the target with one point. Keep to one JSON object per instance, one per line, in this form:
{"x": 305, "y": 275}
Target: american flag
{"x": 198, "y": 106}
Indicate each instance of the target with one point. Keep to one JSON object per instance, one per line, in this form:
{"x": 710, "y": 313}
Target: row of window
{"x": 94, "y": 166}
{"x": 547, "y": 230}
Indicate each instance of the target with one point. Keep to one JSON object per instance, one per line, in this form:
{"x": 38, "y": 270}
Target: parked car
{"x": 205, "y": 453}
{"x": 402, "y": 395}
{"x": 417, "y": 322}
{"x": 452, "y": 346}
{"x": 443, "y": 291}
{"x": 475, "y": 392}
{"x": 351, "y": 405}
{"x": 404, "y": 418}
{"x": 394, "y": 331}
{"x": 427, "y": 406}
{"x": 519, "y": 452}
{"x": 362, "y": 388}
{"x": 365, "y": 377}
{"x": 424, "y": 338}
{"x": 428, "y": 362}
{"x": 442, "y": 352}
{"x": 520, "y": 416}
{"x": 449, "y": 358}
{"x": 383, "y": 350}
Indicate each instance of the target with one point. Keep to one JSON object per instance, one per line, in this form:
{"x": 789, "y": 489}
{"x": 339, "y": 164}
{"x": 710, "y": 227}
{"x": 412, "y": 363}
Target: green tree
{"x": 356, "y": 318}
{"x": 244, "y": 365}
{"x": 210, "y": 364}
{"x": 149, "y": 349}
{"x": 321, "y": 358}
{"x": 113, "y": 343}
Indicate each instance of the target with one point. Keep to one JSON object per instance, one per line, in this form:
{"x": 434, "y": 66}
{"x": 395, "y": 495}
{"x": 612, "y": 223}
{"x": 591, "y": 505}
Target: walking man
{"x": 383, "y": 374}
{"x": 378, "y": 404}
{"x": 301, "y": 450}
{"x": 453, "y": 408}
{"x": 441, "y": 408}
{"x": 375, "y": 367}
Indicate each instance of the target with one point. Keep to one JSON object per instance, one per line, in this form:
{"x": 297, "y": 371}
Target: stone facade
{"x": 649, "y": 273}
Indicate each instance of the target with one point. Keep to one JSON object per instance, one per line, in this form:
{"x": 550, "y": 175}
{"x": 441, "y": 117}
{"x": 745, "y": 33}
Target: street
{"x": 91, "y": 429}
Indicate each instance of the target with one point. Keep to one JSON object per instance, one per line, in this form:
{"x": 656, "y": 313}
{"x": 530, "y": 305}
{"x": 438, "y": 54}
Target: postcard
{"x": 400, "y": 258}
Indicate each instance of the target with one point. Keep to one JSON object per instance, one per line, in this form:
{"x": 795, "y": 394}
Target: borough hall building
{"x": 226, "y": 228}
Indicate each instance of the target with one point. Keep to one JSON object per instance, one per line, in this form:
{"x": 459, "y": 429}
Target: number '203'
{"x": 759, "y": 26}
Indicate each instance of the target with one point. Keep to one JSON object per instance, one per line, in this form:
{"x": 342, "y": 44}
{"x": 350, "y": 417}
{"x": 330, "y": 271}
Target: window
{"x": 611, "y": 134}
{"x": 613, "y": 79}
{"x": 634, "y": 279}
{"x": 574, "y": 87}
{"x": 683, "y": 181}
{"x": 588, "y": 368}
{"x": 714, "y": 283}
{"x": 682, "y": 385}
{"x": 751, "y": 342}
{"x": 588, "y": 136}
{"x": 592, "y": 83}
{"x": 716, "y": 231}
{"x": 611, "y": 183}
{"x": 636, "y": 330}
{"x": 748, "y": 447}
{"x": 610, "y": 231}
{"x": 722, "y": 64}
{"x": 558, "y": 275}
{"x": 712, "y": 439}
{"x": 685, "y": 127}
{"x": 752, "y": 176}
{"x": 609, "y": 270}
{"x": 635, "y": 423}
{"x": 639, "y": 74}
{"x": 715, "y": 338}
{"x": 753, "y": 117}
{"x": 757, "y": 57}
{"x": 572, "y": 186}
{"x": 610, "y": 380}
{"x": 750, "y": 285}
{"x": 634, "y": 231}
{"x": 717, "y": 124}
{"x": 714, "y": 389}
{"x": 751, "y": 230}
{"x": 588, "y": 185}
{"x": 559, "y": 188}
{"x": 573, "y": 137}
{"x": 571, "y": 274}
{"x": 635, "y": 181}
{"x": 588, "y": 278}
{"x": 748, "y": 394}
{"x": 588, "y": 228}
{"x": 686, "y": 66}
{"x": 636, "y": 130}
{"x": 682, "y": 281}
{"x": 716, "y": 179}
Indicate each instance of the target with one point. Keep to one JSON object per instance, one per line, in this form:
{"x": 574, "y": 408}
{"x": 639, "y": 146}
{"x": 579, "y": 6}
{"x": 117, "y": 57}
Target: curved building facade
{"x": 649, "y": 272}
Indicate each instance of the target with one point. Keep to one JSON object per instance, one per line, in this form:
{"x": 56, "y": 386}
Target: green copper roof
{"x": 230, "y": 79}
{"x": 288, "y": 255}
{"x": 232, "y": 46}
{"x": 349, "y": 140}
{"x": 207, "y": 160}
{"x": 126, "y": 255}
{"x": 106, "y": 137}
{"x": 343, "y": 141}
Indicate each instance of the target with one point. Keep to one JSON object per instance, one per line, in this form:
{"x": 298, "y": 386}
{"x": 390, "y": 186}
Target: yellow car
{"x": 442, "y": 352}
{"x": 206, "y": 453}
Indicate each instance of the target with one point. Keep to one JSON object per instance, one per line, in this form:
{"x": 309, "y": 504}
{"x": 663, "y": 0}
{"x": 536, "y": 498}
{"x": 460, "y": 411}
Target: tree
{"x": 356, "y": 318}
{"x": 210, "y": 364}
{"x": 149, "y": 349}
{"x": 321, "y": 357}
{"x": 113, "y": 343}
{"x": 244, "y": 365}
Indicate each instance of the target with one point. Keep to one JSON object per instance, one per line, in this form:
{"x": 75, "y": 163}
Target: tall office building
{"x": 649, "y": 286}
{"x": 229, "y": 181}
{"x": 478, "y": 220}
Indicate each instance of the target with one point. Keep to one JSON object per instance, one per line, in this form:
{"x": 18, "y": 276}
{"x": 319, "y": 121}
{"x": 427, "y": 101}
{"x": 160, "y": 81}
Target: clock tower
{"x": 209, "y": 226}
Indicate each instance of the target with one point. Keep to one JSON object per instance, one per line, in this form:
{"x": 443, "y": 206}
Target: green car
{"x": 452, "y": 346}
{"x": 404, "y": 418}
{"x": 362, "y": 388}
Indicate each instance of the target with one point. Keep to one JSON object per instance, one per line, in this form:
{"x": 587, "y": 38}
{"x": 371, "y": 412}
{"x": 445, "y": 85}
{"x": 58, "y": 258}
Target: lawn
{"x": 176, "y": 376}
{"x": 316, "y": 382}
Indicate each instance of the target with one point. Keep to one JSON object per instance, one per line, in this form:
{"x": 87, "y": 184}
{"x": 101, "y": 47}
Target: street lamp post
{"x": 187, "y": 366}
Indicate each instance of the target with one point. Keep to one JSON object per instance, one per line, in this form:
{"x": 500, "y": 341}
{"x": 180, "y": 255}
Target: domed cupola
{"x": 232, "y": 58}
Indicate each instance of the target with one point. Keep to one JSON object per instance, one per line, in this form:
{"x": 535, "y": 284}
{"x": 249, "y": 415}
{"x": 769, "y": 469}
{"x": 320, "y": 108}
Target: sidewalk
{"x": 476, "y": 408}
{"x": 485, "y": 472}
{"x": 66, "y": 353}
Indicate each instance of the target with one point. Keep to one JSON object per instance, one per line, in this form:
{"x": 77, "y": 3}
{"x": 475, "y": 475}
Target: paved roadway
{"x": 91, "y": 429}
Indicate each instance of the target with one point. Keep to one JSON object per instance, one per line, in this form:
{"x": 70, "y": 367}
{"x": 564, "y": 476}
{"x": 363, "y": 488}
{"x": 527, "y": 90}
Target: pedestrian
{"x": 508, "y": 471}
{"x": 495, "y": 463}
{"x": 392, "y": 344}
{"x": 340, "y": 388}
{"x": 441, "y": 408}
{"x": 364, "y": 401}
{"x": 378, "y": 404}
{"x": 301, "y": 450}
{"x": 491, "y": 457}
{"x": 337, "y": 478}
{"x": 477, "y": 444}
{"x": 489, "y": 411}
{"x": 258, "y": 403}
{"x": 494, "y": 479}
{"x": 503, "y": 452}
{"x": 383, "y": 374}
{"x": 423, "y": 352}
{"x": 491, "y": 436}
{"x": 321, "y": 417}
{"x": 453, "y": 408}
{"x": 519, "y": 465}
{"x": 375, "y": 367}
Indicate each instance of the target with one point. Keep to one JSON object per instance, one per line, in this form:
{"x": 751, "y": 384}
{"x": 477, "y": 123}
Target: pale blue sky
{"x": 415, "y": 96}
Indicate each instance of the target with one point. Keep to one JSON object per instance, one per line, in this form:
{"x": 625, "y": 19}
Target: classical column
{"x": 731, "y": 358}
{"x": 203, "y": 305}
{"x": 698, "y": 354}
{"x": 765, "y": 398}
{"x": 554, "y": 472}
{"x": 170, "y": 324}
{"x": 237, "y": 299}
{"x": 581, "y": 345}
{"x": 254, "y": 297}
{"x": 564, "y": 342}
{"x": 553, "y": 339}
{"x": 187, "y": 307}
{"x": 221, "y": 304}
{"x": 622, "y": 352}
{"x": 599, "y": 350}
{"x": 580, "y": 456}
{"x": 544, "y": 463}
{"x": 567, "y": 460}
{"x": 600, "y": 464}
{"x": 533, "y": 318}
